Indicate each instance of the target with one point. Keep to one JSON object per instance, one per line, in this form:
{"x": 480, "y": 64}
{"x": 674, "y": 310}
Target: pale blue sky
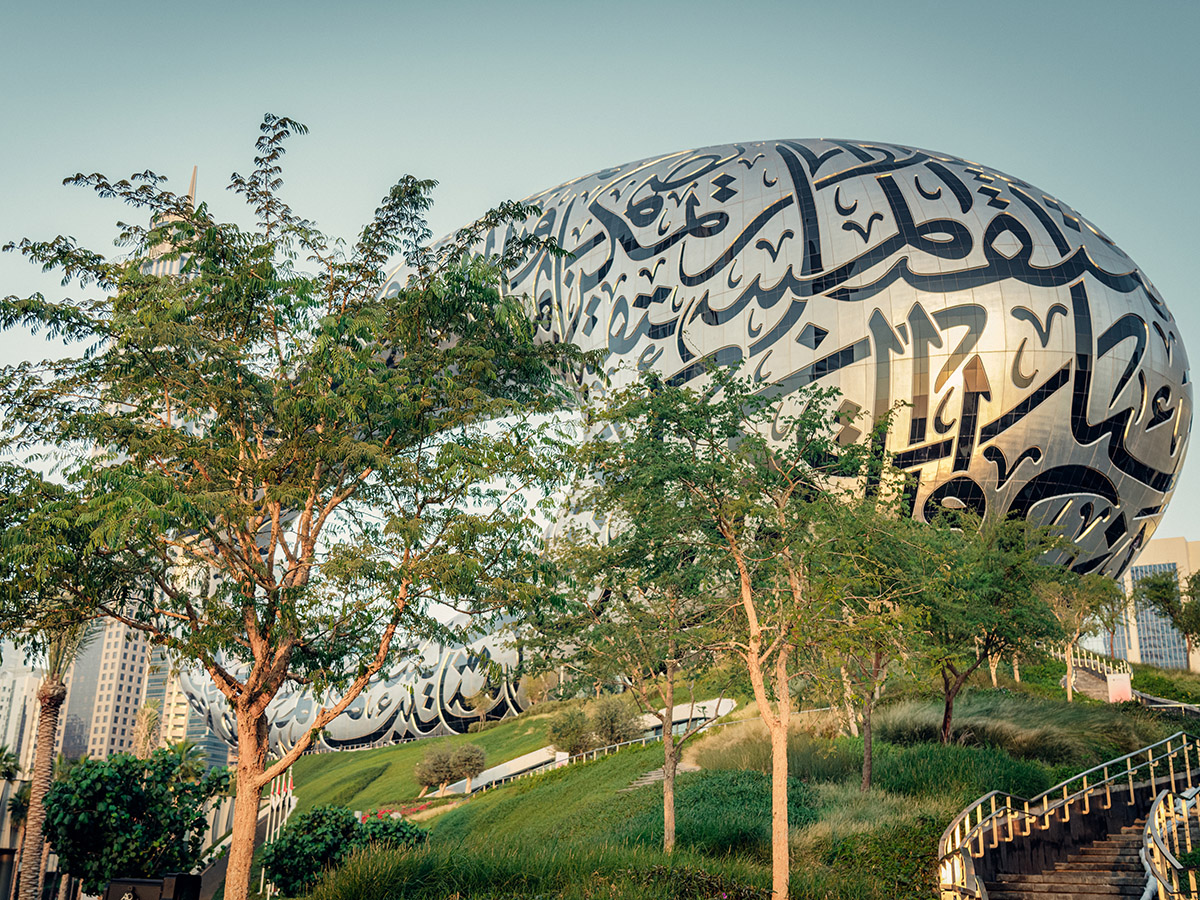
{"x": 1093, "y": 101}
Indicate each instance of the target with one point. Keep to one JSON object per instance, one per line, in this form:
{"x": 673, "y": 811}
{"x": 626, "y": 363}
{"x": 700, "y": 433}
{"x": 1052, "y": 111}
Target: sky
{"x": 1090, "y": 100}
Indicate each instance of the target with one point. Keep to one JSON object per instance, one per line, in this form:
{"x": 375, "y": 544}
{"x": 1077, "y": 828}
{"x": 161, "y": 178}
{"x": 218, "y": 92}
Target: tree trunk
{"x": 951, "y": 687}
{"x": 16, "y": 876}
{"x": 670, "y": 751}
{"x": 780, "y": 862}
{"x": 251, "y": 763}
{"x": 1070, "y": 673}
{"x": 467, "y": 789}
{"x": 848, "y": 704}
{"x": 993, "y": 665}
{"x": 1017, "y": 668}
{"x": 51, "y": 695}
{"x": 867, "y": 748}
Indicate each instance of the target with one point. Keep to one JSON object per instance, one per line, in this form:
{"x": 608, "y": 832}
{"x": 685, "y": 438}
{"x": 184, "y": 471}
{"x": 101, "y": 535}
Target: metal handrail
{"x": 963, "y": 840}
{"x": 1161, "y": 843}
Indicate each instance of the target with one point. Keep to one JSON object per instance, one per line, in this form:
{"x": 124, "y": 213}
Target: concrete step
{"x": 1047, "y": 891}
{"x": 658, "y": 775}
{"x": 1073, "y": 878}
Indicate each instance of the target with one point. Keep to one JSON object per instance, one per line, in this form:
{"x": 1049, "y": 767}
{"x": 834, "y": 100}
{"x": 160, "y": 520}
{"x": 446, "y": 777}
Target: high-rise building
{"x": 178, "y": 720}
{"x": 1144, "y": 636}
{"x": 18, "y": 705}
{"x": 105, "y": 686}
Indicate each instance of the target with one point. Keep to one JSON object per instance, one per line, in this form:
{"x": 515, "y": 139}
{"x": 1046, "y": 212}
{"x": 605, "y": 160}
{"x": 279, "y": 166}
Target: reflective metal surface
{"x": 1044, "y": 374}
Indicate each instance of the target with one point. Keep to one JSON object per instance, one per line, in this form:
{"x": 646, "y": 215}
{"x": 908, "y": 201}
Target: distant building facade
{"x": 1145, "y": 636}
{"x": 105, "y": 687}
{"x": 18, "y": 705}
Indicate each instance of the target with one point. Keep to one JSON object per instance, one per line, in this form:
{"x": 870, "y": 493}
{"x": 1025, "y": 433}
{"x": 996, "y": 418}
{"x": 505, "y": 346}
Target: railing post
{"x": 1087, "y": 798}
{"x": 995, "y": 835}
{"x": 1187, "y": 760}
{"x": 1129, "y": 770}
{"x": 1171, "y": 765}
{"x": 1107, "y": 790}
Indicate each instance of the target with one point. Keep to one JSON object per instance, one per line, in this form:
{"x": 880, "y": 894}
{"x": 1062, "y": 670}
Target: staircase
{"x": 659, "y": 775}
{"x": 1109, "y": 867}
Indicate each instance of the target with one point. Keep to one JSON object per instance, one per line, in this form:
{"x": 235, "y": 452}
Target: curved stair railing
{"x": 1172, "y": 828}
{"x": 998, "y": 818}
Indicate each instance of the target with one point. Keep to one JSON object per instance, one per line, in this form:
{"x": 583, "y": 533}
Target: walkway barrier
{"x": 999, "y": 827}
{"x": 1172, "y": 829}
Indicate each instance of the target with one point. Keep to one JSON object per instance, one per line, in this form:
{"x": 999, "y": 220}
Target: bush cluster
{"x": 321, "y": 838}
{"x": 613, "y": 721}
{"x": 443, "y": 765}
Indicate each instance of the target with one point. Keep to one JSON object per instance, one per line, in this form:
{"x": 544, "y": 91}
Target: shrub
{"x": 315, "y": 840}
{"x": 321, "y": 838}
{"x": 571, "y": 732}
{"x": 615, "y": 721}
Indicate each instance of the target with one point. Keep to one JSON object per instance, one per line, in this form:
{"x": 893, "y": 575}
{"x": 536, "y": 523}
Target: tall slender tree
{"x": 982, "y": 598}
{"x": 297, "y": 458}
{"x": 751, "y": 476}
{"x": 62, "y": 646}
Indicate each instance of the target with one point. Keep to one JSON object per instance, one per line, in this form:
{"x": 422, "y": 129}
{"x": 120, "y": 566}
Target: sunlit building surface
{"x": 1033, "y": 368}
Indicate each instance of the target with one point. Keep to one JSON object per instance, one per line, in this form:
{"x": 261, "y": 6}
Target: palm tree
{"x": 193, "y": 761}
{"x": 10, "y": 766}
{"x": 18, "y": 808}
{"x": 63, "y": 645}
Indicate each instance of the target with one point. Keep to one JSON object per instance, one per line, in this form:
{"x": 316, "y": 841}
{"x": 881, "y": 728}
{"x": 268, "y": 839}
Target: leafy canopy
{"x": 129, "y": 817}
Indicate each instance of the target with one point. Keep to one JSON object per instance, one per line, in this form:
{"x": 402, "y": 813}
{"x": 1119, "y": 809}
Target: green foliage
{"x": 9, "y": 764}
{"x": 571, "y": 732}
{"x": 319, "y": 839}
{"x": 920, "y": 770}
{"x": 572, "y": 872}
{"x": 1170, "y": 685}
{"x": 1050, "y": 731}
{"x": 436, "y": 769}
{"x": 1178, "y": 603}
{"x": 1189, "y": 859}
{"x": 468, "y": 760}
{"x": 614, "y": 720}
{"x": 721, "y": 812}
{"x": 131, "y": 817}
{"x": 286, "y": 462}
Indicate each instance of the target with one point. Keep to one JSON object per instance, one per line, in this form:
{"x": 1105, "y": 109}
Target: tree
{"x": 145, "y": 728}
{"x": 638, "y": 603}
{"x": 480, "y": 703}
{"x": 129, "y": 817}
{"x": 570, "y": 732}
{"x": 61, "y": 646}
{"x": 436, "y": 769}
{"x": 297, "y": 463}
{"x": 10, "y": 766}
{"x": 1178, "y": 603}
{"x": 982, "y": 599}
{"x": 615, "y": 721}
{"x": 873, "y": 567}
{"x": 467, "y": 761}
{"x": 191, "y": 760}
{"x": 750, "y": 474}
{"x": 1076, "y": 601}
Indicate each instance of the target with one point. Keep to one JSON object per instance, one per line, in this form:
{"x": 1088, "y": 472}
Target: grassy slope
{"x": 555, "y": 826}
{"x": 368, "y": 779}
